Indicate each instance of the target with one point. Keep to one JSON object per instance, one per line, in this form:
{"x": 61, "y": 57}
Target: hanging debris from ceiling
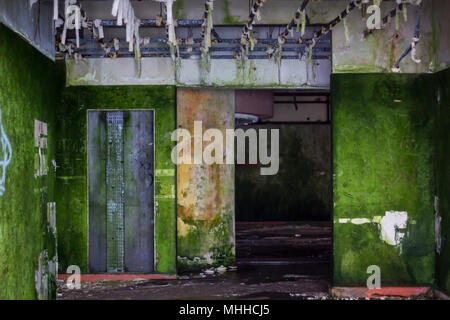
{"x": 412, "y": 46}
{"x": 246, "y": 38}
{"x": 170, "y": 25}
{"x": 206, "y": 29}
{"x": 123, "y": 10}
{"x": 55, "y": 10}
{"x": 394, "y": 15}
{"x": 330, "y": 26}
{"x": 72, "y": 20}
{"x": 276, "y": 52}
{"x": 97, "y": 29}
{"x": 207, "y": 26}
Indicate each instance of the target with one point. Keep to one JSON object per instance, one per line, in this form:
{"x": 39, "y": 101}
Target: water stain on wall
{"x": 205, "y": 193}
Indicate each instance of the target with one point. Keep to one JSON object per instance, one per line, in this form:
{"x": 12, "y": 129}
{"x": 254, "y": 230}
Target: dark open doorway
{"x": 283, "y": 221}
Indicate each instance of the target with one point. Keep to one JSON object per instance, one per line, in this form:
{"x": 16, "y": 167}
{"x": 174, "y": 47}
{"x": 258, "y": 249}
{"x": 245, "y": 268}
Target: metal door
{"x": 121, "y": 191}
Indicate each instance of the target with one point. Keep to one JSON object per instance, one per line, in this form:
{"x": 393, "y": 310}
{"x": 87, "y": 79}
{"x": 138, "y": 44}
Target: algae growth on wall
{"x": 205, "y": 193}
{"x": 72, "y": 172}
{"x": 28, "y": 92}
{"x": 383, "y": 179}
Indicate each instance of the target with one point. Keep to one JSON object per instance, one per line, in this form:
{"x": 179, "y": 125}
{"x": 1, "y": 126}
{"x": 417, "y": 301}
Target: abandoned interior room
{"x": 228, "y": 149}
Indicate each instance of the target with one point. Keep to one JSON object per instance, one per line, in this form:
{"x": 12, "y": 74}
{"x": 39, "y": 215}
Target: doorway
{"x": 283, "y": 221}
{"x": 121, "y": 190}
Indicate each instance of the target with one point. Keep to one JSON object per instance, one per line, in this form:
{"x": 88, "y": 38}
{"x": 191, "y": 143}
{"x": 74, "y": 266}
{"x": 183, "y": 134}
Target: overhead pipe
{"x": 198, "y": 50}
{"x": 198, "y": 41}
{"x": 213, "y": 57}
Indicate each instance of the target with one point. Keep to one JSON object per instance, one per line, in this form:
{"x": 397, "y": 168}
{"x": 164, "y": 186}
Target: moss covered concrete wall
{"x": 305, "y": 166}
{"x": 442, "y": 174}
{"x": 28, "y": 92}
{"x": 382, "y": 155}
{"x": 205, "y": 193}
{"x": 71, "y": 182}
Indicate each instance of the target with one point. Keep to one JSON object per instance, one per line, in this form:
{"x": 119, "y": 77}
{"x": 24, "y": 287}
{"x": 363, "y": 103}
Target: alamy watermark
{"x": 221, "y": 150}
{"x": 374, "y": 280}
{"x": 74, "y": 281}
{"x": 374, "y": 20}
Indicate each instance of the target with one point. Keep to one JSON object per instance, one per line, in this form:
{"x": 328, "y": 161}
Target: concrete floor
{"x": 274, "y": 261}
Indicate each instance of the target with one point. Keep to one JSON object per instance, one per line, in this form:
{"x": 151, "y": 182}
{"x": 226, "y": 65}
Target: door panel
{"x": 139, "y": 184}
{"x": 121, "y": 187}
{"x": 97, "y": 191}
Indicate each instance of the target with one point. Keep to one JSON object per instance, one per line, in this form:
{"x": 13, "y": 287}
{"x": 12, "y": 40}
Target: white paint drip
{"x": 123, "y": 10}
{"x": 98, "y": 26}
{"x": 55, "y": 10}
{"x": 437, "y": 225}
{"x": 391, "y": 225}
{"x": 170, "y": 22}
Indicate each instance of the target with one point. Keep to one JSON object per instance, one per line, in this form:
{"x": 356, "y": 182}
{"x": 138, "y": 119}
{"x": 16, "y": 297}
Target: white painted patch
{"x": 360, "y": 221}
{"x": 390, "y": 225}
{"x": 40, "y": 141}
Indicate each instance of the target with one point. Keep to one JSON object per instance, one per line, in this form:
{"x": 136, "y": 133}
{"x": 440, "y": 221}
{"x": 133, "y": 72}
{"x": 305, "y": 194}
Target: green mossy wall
{"x": 382, "y": 155}
{"x": 442, "y": 173}
{"x": 72, "y": 211}
{"x": 29, "y": 90}
{"x": 305, "y": 166}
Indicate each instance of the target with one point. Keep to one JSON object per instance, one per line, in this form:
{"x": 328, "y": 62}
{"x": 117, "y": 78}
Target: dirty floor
{"x": 274, "y": 261}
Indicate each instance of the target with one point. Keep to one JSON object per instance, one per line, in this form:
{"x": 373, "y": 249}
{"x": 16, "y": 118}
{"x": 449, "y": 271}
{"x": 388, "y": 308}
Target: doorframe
{"x": 87, "y": 179}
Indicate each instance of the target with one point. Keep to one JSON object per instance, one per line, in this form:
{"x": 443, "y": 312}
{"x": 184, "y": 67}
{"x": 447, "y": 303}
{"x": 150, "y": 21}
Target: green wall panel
{"x": 382, "y": 161}
{"x": 28, "y": 92}
{"x": 72, "y": 174}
